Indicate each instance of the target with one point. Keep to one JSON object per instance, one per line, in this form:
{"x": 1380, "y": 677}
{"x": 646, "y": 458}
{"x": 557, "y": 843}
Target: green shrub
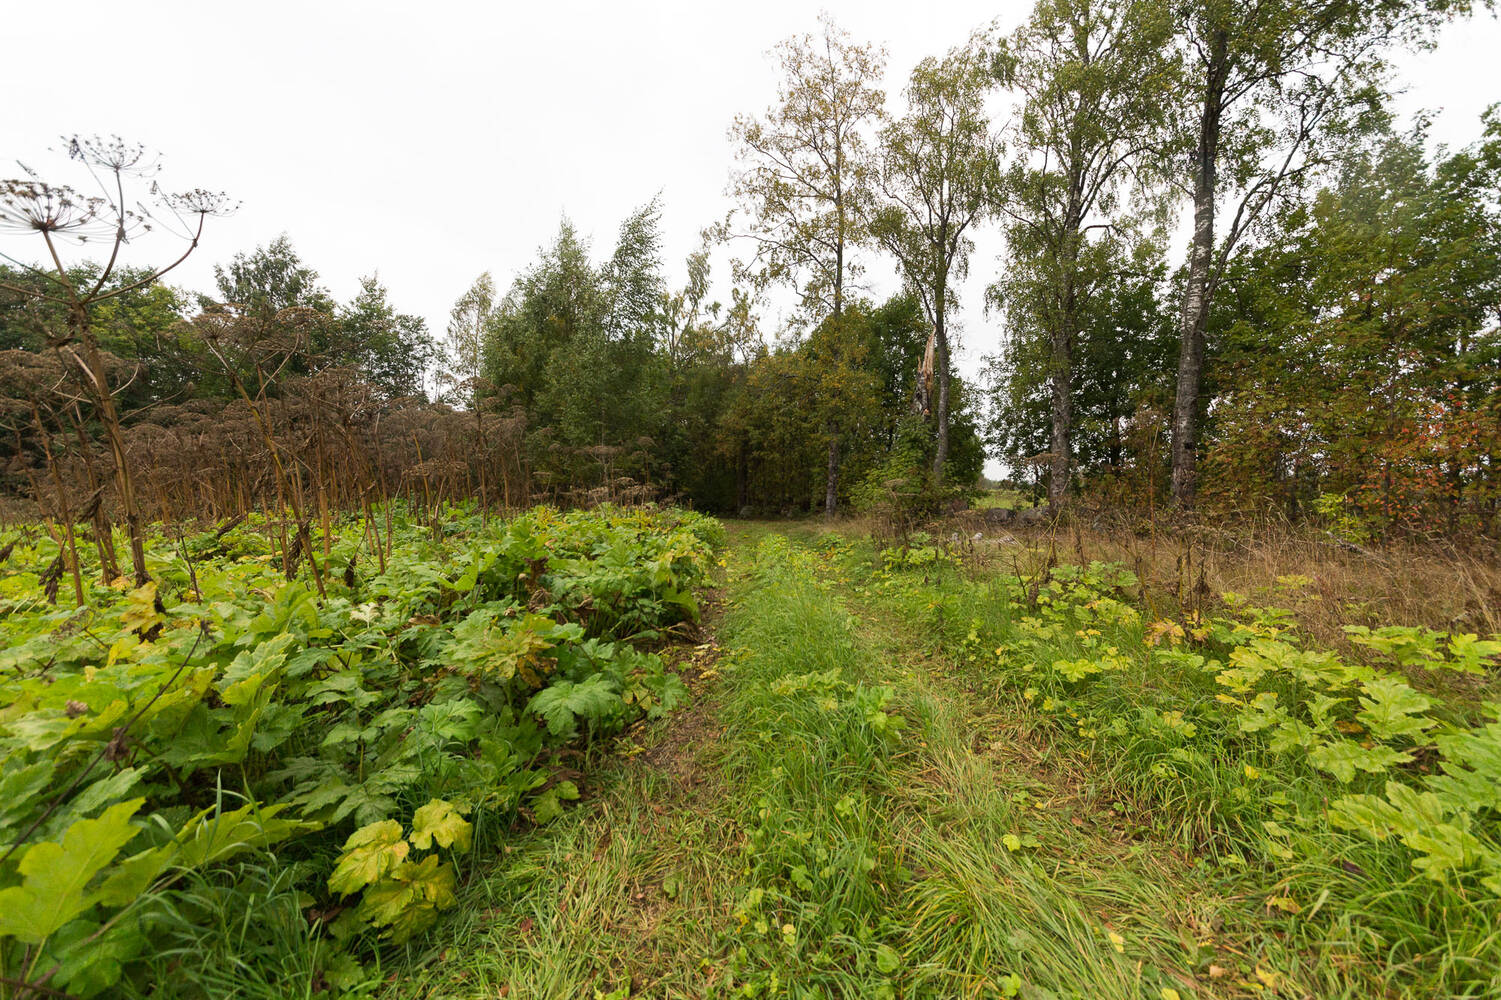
{"x": 167, "y": 744}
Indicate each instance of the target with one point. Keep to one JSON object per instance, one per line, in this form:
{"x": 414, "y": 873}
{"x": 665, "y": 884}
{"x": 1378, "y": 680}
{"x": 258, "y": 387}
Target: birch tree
{"x": 808, "y": 177}
{"x": 465, "y": 341}
{"x": 938, "y": 172}
{"x": 1093, "y": 83}
{"x": 1269, "y": 86}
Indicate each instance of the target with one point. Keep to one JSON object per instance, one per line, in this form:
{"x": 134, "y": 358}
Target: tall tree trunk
{"x": 831, "y": 481}
{"x": 1191, "y": 329}
{"x": 839, "y": 223}
{"x": 1195, "y": 316}
{"x": 941, "y": 411}
{"x": 922, "y": 396}
{"x": 838, "y": 279}
{"x": 1061, "y": 383}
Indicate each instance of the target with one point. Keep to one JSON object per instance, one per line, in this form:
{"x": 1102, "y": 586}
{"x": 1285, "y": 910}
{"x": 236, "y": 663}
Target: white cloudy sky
{"x": 433, "y": 141}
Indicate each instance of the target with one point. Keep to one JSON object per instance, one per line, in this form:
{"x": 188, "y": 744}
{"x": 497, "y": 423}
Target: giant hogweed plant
{"x": 221, "y": 712}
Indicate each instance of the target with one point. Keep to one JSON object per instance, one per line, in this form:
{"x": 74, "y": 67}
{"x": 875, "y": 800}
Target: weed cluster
{"x": 223, "y": 762}
{"x": 1355, "y": 799}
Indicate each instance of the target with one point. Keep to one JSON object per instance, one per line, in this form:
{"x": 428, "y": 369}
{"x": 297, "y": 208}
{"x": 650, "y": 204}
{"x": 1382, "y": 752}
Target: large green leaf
{"x": 213, "y": 836}
{"x": 1342, "y": 758}
{"x": 369, "y": 853}
{"x": 440, "y": 821}
{"x": 91, "y": 956}
{"x": 1392, "y": 710}
{"x": 1471, "y": 654}
{"x": 1472, "y": 769}
{"x": 565, "y": 702}
{"x": 408, "y": 900}
{"x": 55, "y": 876}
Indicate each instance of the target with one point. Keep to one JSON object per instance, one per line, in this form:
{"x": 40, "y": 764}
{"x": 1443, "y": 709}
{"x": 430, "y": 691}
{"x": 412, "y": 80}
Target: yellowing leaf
{"x": 409, "y": 900}
{"x": 1012, "y": 842}
{"x": 369, "y": 853}
{"x": 483, "y": 644}
{"x": 440, "y": 821}
{"x": 1160, "y": 630}
{"x": 1117, "y": 942}
{"x": 56, "y": 875}
{"x": 140, "y": 609}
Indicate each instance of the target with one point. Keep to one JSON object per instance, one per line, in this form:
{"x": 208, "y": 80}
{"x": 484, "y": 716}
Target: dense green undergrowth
{"x": 224, "y": 783}
{"x": 911, "y": 787}
{"x": 885, "y": 852}
{"x": 914, "y": 778}
{"x": 1359, "y": 805}
{"x": 754, "y": 861}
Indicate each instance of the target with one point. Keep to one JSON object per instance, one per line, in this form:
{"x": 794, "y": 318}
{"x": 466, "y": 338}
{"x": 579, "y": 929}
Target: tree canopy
{"x": 1325, "y": 344}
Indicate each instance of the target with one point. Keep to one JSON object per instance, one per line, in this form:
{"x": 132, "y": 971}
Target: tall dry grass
{"x": 1327, "y": 583}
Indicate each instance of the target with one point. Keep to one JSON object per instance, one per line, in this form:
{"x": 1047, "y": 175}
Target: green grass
{"x": 618, "y": 895}
{"x": 1309, "y": 910}
{"x": 1002, "y": 497}
{"x": 843, "y": 840}
{"x": 934, "y": 781}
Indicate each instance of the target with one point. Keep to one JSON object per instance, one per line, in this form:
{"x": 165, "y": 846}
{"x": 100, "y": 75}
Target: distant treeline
{"x": 1328, "y": 346}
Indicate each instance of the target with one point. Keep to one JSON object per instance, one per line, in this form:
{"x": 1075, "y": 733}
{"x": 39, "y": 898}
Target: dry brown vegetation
{"x": 1326, "y": 582}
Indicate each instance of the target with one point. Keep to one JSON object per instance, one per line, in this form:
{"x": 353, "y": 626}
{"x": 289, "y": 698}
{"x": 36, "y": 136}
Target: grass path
{"x": 839, "y": 815}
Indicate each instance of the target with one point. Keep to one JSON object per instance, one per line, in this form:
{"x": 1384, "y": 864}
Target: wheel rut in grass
{"x": 855, "y": 807}
{"x": 618, "y": 897}
{"x": 819, "y": 823}
{"x": 883, "y": 855}
{"x": 1002, "y": 766}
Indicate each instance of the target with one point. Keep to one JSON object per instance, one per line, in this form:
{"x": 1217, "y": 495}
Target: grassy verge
{"x": 1168, "y": 759}
{"x": 880, "y": 798}
{"x": 827, "y": 827}
{"x": 907, "y": 855}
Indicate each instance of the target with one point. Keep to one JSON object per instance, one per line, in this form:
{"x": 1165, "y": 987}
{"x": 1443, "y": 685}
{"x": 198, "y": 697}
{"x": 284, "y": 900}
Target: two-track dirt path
{"x": 837, "y": 814}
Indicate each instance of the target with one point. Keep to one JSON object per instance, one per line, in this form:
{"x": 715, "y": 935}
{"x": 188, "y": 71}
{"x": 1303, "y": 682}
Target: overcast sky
{"x": 434, "y": 141}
